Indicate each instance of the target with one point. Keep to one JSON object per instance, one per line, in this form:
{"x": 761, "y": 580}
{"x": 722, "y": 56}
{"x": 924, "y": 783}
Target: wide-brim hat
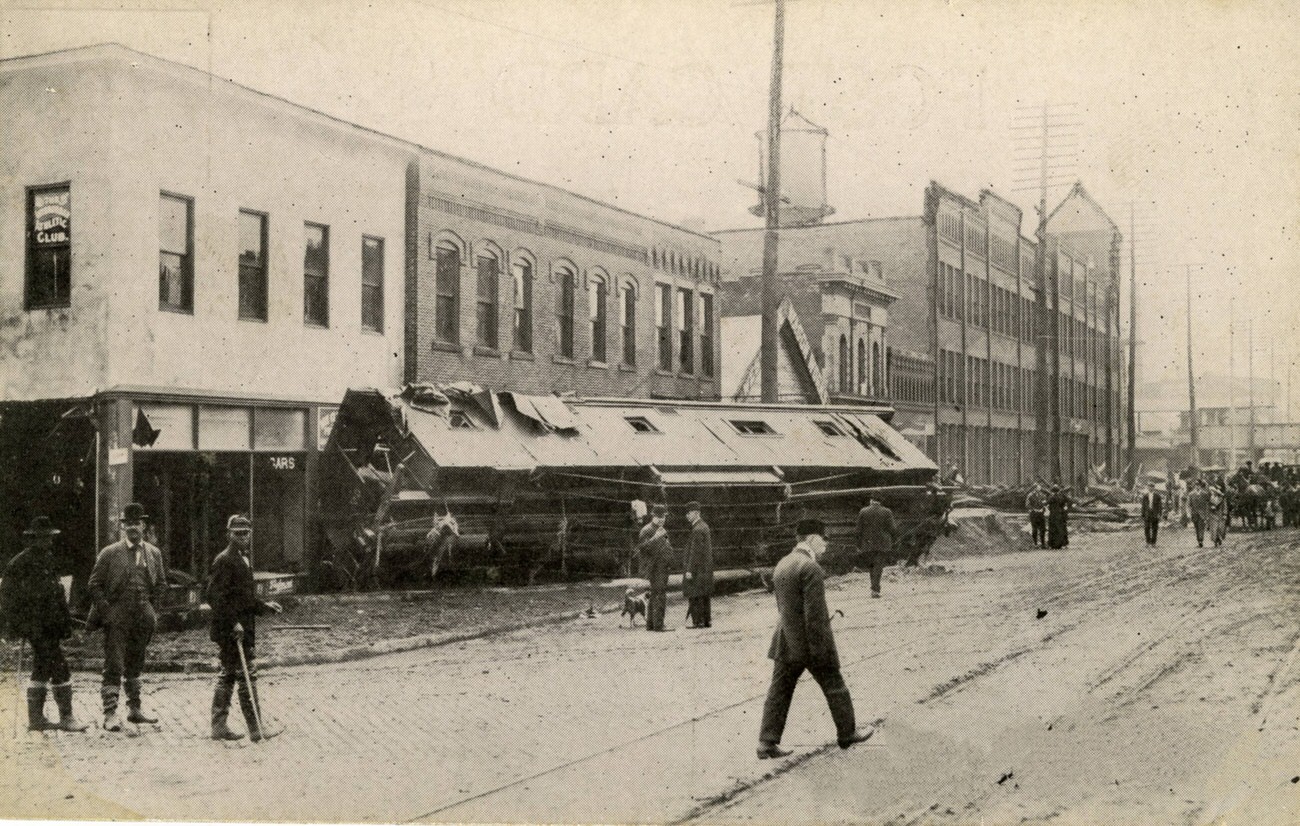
{"x": 692, "y": 506}
{"x": 238, "y": 522}
{"x": 659, "y": 510}
{"x": 41, "y": 526}
{"x": 133, "y": 512}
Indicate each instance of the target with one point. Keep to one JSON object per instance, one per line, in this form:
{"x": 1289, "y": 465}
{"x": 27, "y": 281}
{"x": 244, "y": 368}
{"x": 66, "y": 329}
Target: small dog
{"x": 633, "y": 604}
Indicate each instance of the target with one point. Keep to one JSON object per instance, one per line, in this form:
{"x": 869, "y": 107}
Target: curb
{"x": 208, "y": 665}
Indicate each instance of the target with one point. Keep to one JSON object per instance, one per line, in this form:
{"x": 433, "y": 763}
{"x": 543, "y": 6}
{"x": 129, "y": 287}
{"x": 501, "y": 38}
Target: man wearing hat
{"x": 127, "y": 587}
{"x": 235, "y": 606}
{"x": 803, "y": 640}
{"x": 34, "y": 607}
{"x": 697, "y": 569}
{"x": 655, "y": 552}
{"x": 877, "y": 532}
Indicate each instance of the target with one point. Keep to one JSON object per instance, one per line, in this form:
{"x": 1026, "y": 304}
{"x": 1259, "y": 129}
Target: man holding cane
{"x": 233, "y": 598}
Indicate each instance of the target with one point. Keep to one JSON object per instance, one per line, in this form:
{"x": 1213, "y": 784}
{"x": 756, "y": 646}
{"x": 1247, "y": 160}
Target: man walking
{"x": 655, "y": 552}
{"x": 235, "y": 606}
{"x": 33, "y": 607}
{"x": 1152, "y": 510}
{"x": 1198, "y": 505}
{"x": 697, "y": 570}
{"x": 876, "y": 533}
{"x": 1036, "y": 505}
{"x": 127, "y": 587}
{"x": 803, "y": 640}
{"x": 1058, "y": 526}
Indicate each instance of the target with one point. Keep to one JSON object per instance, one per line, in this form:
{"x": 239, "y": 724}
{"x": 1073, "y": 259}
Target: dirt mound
{"x": 980, "y": 532}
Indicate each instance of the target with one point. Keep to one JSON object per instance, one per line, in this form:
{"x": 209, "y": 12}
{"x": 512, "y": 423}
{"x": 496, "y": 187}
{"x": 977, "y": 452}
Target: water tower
{"x": 803, "y": 171}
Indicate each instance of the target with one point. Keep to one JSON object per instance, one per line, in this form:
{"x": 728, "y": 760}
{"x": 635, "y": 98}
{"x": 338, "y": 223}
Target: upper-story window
{"x": 49, "y": 247}
{"x": 663, "y": 316}
{"x": 488, "y": 268}
{"x": 627, "y": 323}
{"x": 521, "y": 271}
{"x": 252, "y": 266}
{"x": 175, "y": 254}
{"x": 565, "y": 287}
{"x": 372, "y": 284}
{"x": 316, "y": 275}
{"x": 596, "y": 298}
{"x": 685, "y": 318}
{"x": 447, "y": 286}
{"x": 706, "y": 334}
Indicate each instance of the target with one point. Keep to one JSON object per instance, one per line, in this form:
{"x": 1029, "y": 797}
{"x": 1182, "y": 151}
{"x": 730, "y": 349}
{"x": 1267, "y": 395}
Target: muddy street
{"x": 1108, "y": 683}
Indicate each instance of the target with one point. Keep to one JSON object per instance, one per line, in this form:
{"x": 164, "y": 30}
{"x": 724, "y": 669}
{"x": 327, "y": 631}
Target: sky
{"x": 1187, "y": 113}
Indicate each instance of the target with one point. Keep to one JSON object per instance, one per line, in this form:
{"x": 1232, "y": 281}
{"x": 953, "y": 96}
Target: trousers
{"x": 785, "y": 676}
{"x": 126, "y": 638}
{"x": 48, "y": 662}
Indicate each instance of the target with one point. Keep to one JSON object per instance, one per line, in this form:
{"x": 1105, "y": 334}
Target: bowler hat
{"x": 692, "y": 506}
{"x": 133, "y": 512}
{"x": 41, "y": 526}
{"x": 808, "y": 527}
{"x": 659, "y": 510}
{"x": 238, "y": 522}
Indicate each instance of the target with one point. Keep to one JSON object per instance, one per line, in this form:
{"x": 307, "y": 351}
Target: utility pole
{"x": 1191, "y": 381}
{"x": 1250, "y": 369}
{"x": 1131, "y": 418}
{"x": 769, "y": 299}
{"x": 1232, "y": 398}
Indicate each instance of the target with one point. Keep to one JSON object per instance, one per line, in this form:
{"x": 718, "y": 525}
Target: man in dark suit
{"x": 232, "y": 594}
{"x": 127, "y": 588}
{"x": 1153, "y": 508}
{"x": 803, "y": 640}
{"x": 655, "y": 552}
{"x": 697, "y": 570}
{"x": 877, "y": 531}
{"x": 33, "y": 607}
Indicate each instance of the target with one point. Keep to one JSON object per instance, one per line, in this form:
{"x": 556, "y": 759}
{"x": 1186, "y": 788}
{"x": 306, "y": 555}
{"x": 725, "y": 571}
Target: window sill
{"x": 521, "y": 355}
{"x": 175, "y": 310}
{"x": 627, "y": 368}
{"x": 252, "y": 319}
{"x": 39, "y": 308}
{"x": 445, "y": 347}
{"x": 687, "y": 376}
{"x": 558, "y": 359}
{"x": 486, "y": 352}
{"x": 311, "y": 325}
{"x": 659, "y": 371}
{"x": 597, "y": 364}
{"x": 371, "y": 331}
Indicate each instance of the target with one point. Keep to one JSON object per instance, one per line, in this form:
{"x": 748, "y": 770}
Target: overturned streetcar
{"x": 458, "y": 481}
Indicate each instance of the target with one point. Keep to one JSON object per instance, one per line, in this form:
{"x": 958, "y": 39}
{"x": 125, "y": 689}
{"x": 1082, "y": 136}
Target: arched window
{"x": 566, "y": 284}
{"x": 447, "y": 287}
{"x": 627, "y": 322}
{"x": 844, "y": 365}
{"x": 877, "y": 371}
{"x": 488, "y": 268}
{"x": 862, "y": 366}
{"x": 597, "y": 292}
{"x": 521, "y": 272}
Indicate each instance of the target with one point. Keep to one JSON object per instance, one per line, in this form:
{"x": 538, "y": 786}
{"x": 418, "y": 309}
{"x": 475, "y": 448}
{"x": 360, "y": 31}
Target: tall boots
{"x": 109, "y": 695}
{"x": 36, "y": 708}
{"x": 221, "y": 710}
{"x": 134, "y": 714}
{"x": 63, "y": 699}
{"x": 246, "y": 701}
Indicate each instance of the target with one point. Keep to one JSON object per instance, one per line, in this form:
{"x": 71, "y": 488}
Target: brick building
{"x": 986, "y": 371}
{"x": 192, "y": 274}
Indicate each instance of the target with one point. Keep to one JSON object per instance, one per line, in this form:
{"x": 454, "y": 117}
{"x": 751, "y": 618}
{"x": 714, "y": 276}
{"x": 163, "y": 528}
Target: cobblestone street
{"x": 979, "y": 668}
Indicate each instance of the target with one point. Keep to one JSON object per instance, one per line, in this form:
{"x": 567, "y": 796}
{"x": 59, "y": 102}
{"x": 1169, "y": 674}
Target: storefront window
{"x": 174, "y": 423}
{"x": 223, "y": 428}
{"x": 279, "y": 429}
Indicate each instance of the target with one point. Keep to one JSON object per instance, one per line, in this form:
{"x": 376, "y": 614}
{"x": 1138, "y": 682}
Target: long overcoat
{"x": 803, "y": 635}
{"x": 32, "y": 602}
{"x": 699, "y": 562}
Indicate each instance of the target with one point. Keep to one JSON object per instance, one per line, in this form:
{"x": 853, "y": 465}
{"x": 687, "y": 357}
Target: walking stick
{"x": 248, "y": 683}
{"x": 18, "y": 681}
